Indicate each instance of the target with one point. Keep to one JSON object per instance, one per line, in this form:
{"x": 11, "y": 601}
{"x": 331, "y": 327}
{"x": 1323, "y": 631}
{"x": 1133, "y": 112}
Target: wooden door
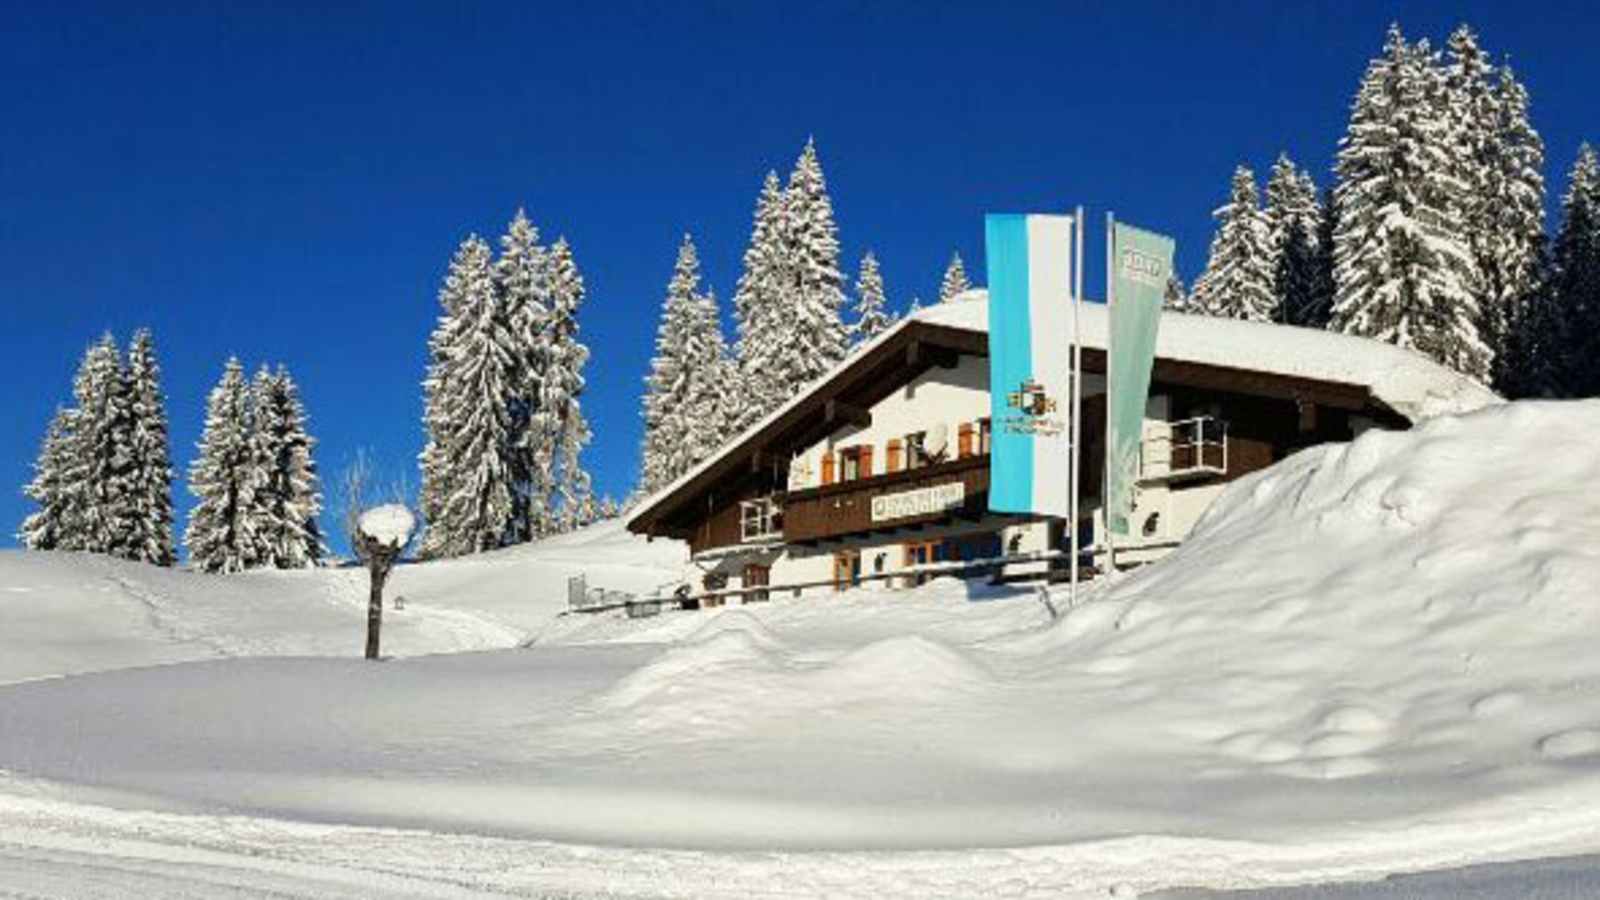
{"x": 846, "y": 570}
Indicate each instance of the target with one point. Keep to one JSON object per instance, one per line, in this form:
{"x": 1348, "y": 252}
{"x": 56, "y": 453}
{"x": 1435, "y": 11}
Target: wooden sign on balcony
{"x": 920, "y": 502}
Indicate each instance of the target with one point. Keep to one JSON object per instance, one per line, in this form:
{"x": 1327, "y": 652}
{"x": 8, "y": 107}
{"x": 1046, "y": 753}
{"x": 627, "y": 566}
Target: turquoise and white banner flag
{"x": 1030, "y": 261}
{"x": 1142, "y": 264}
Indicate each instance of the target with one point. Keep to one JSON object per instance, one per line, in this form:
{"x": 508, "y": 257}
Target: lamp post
{"x": 382, "y": 534}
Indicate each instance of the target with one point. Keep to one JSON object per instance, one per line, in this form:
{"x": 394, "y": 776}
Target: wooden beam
{"x": 839, "y": 411}
{"x": 920, "y": 354}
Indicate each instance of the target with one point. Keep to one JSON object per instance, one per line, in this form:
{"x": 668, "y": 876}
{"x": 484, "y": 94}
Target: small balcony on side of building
{"x": 1184, "y": 450}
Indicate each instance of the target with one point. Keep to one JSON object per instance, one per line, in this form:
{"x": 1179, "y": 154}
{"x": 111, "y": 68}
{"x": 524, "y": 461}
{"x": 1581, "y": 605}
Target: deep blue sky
{"x": 287, "y": 184}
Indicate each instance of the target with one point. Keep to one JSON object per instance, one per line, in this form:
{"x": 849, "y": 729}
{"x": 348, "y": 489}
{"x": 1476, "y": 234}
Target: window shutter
{"x": 892, "y": 464}
{"x": 866, "y": 462}
{"x": 964, "y": 440}
{"x": 827, "y": 468}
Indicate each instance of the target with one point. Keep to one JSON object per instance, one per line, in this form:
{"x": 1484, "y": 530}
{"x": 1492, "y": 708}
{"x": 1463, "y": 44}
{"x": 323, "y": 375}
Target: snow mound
{"x": 909, "y": 666}
{"x": 1376, "y": 606}
{"x": 736, "y": 621}
{"x": 714, "y": 653}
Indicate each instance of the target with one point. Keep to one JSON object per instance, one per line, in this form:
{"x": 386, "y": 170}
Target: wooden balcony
{"x": 907, "y": 499}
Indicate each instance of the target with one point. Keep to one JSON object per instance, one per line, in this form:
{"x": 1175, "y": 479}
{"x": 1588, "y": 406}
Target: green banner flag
{"x": 1141, "y": 266}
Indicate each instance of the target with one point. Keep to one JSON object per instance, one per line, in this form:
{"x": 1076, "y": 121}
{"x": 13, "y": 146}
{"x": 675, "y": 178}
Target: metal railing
{"x": 1189, "y": 448}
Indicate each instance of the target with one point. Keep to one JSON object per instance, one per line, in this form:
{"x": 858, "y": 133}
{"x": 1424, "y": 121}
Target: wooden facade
{"x": 836, "y": 510}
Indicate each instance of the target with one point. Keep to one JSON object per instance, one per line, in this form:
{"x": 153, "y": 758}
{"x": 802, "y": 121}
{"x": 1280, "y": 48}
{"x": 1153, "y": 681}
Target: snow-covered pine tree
{"x": 1403, "y": 262}
{"x": 288, "y": 492}
{"x": 872, "y": 317}
{"x": 221, "y": 534}
{"x": 954, "y": 282}
{"x": 1238, "y": 279}
{"x": 560, "y": 412}
{"x": 1566, "y": 330}
{"x": 758, "y": 308}
{"x": 466, "y": 467}
{"x": 150, "y": 536}
{"x": 670, "y": 387}
{"x": 522, "y": 282}
{"x": 102, "y": 438}
{"x": 1513, "y": 264}
{"x": 815, "y": 286}
{"x": 716, "y": 381}
{"x": 1292, "y": 217}
{"x": 1319, "y": 304}
{"x": 1175, "y": 299}
{"x": 50, "y": 527}
{"x": 438, "y": 419}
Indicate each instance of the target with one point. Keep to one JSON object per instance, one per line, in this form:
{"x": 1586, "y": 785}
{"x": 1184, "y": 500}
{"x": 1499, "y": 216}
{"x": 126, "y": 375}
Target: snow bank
{"x": 67, "y": 613}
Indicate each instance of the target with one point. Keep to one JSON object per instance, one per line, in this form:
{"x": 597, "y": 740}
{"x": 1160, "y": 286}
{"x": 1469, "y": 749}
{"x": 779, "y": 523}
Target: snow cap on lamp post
{"x": 389, "y": 525}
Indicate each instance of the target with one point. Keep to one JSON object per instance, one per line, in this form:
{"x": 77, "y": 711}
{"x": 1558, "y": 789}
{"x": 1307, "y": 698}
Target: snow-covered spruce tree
{"x": 103, "y": 474}
{"x": 813, "y": 293}
{"x": 466, "y": 466}
{"x": 872, "y": 317}
{"x": 758, "y": 308}
{"x": 1238, "y": 279}
{"x": 522, "y": 282}
{"x": 150, "y": 537}
{"x": 51, "y": 527}
{"x": 1500, "y": 158}
{"x": 1175, "y": 299}
{"x": 221, "y": 534}
{"x": 288, "y": 492}
{"x": 1318, "y": 308}
{"x": 954, "y": 282}
{"x": 670, "y": 387}
{"x": 1292, "y": 217}
{"x": 1566, "y": 330}
{"x": 1403, "y": 262}
{"x": 1513, "y": 266}
{"x": 560, "y": 412}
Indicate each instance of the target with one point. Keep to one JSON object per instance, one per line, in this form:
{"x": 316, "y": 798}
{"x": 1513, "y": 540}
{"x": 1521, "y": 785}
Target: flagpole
{"x": 1076, "y": 401}
{"x": 1105, "y": 473}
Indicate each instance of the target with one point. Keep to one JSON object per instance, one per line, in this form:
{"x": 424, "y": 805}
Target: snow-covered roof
{"x": 1405, "y": 381}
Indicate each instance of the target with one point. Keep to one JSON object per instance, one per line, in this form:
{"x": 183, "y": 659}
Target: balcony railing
{"x": 959, "y": 487}
{"x": 1189, "y": 448}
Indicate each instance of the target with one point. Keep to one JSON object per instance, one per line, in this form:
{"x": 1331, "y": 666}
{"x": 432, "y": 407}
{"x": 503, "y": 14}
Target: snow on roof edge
{"x": 634, "y": 517}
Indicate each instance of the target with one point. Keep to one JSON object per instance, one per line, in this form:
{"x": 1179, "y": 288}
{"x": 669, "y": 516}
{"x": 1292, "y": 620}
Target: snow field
{"x": 1371, "y": 657}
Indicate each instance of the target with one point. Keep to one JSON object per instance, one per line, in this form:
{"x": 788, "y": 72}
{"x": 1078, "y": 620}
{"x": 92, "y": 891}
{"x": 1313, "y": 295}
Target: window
{"x": 893, "y": 461}
{"x": 760, "y": 520}
{"x": 964, "y": 440}
{"x": 855, "y": 462}
{"x": 916, "y": 455}
{"x": 983, "y": 437}
{"x": 850, "y": 464}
